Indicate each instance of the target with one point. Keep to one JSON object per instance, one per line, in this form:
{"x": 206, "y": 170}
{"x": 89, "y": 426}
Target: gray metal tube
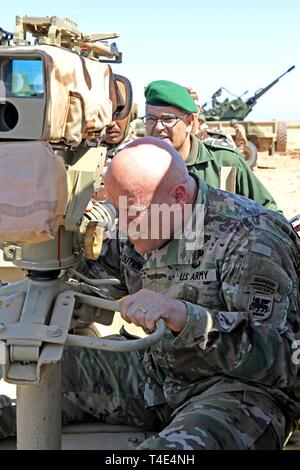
{"x": 39, "y": 411}
{"x": 118, "y": 345}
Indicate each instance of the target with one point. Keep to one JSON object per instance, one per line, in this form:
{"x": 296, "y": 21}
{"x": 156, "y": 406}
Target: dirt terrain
{"x": 281, "y": 173}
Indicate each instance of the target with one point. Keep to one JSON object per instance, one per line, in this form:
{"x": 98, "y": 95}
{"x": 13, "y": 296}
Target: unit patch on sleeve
{"x": 260, "y": 305}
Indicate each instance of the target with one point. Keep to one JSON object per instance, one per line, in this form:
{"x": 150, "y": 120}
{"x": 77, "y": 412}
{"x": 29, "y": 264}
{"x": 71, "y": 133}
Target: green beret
{"x": 165, "y": 93}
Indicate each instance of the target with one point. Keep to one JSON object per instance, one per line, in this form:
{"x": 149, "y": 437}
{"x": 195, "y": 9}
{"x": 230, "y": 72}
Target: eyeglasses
{"x": 168, "y": 120}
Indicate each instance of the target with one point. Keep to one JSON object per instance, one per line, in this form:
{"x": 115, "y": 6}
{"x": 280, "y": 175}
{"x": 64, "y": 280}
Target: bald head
{"x": 146, "y": 174}
{"x": 146, "y": 165}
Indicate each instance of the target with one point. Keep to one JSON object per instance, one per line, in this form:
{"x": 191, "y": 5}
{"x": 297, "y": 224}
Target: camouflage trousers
{"x": 109, "y": 387}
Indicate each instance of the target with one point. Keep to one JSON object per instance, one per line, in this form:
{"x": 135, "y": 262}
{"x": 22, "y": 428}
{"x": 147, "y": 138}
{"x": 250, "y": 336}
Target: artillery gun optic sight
{"x": 56, "y": 98}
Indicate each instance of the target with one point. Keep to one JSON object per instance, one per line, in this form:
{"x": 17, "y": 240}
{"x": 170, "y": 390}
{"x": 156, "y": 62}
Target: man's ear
{"x": 180, "y": 194}
{"x": 190, "y": 122}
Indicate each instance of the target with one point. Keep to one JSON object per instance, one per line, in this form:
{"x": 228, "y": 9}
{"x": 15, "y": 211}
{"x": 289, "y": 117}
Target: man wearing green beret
{"x": 170, "y": 112}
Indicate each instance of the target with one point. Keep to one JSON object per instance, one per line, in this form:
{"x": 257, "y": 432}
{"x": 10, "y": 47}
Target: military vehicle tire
{"x": 250, "y": 154}
{"x": 272, "y": 149}
{"x": 281, "y": 138}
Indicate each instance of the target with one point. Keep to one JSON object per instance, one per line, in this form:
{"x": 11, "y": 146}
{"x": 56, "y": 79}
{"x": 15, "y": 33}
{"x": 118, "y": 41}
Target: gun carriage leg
{"x": 39, "y": 411}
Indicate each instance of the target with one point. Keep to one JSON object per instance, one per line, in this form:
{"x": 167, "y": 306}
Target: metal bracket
{"x": 295, "y": 221}
{"x": 26, "y": 346}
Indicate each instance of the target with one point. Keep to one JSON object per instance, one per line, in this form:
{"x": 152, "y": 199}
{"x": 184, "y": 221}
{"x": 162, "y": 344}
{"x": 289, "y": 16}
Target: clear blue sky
{"x": 241, "y": 45}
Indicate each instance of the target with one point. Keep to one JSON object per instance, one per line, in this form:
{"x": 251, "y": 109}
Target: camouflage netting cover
{"x": 77, "y": 94}
{"x": 33, "y": 192}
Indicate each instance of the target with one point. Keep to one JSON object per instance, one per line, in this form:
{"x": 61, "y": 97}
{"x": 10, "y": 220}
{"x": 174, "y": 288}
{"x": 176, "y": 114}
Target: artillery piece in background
{"x": 262, "y": 136}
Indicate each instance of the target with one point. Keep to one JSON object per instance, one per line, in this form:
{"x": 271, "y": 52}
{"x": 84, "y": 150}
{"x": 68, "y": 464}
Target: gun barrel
{"x": 288, "y": 70}
{"x": 262, "y": 91}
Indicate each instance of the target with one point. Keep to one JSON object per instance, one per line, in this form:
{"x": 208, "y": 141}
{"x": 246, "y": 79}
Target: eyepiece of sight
{"x": 9, "y": 116}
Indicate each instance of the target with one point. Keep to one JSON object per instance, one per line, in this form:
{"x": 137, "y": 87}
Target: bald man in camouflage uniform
{"x": 223, "y": 375}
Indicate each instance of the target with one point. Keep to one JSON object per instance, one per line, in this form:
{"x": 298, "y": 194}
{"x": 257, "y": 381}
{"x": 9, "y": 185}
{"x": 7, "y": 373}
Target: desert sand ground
{"x": 281, "y": 173}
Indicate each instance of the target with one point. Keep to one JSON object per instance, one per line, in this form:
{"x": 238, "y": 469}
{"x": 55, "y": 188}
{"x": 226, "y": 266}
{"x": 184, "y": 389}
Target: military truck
{"x": 262, "y": 136}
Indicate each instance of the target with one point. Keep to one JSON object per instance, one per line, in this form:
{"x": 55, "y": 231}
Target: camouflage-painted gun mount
{"x": 58, "y": 95}
{"x": 236, "y": 109}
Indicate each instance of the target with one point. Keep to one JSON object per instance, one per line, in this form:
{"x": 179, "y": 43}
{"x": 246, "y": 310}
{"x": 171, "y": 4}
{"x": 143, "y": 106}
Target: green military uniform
{"x": 207, "y": 158}
{"x": 227, "y": 380}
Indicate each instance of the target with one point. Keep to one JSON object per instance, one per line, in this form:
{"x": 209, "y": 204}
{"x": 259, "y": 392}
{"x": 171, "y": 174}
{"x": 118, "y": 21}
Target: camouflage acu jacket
{"x": 206, "y": 158}
{"x": 241, "y": 291}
